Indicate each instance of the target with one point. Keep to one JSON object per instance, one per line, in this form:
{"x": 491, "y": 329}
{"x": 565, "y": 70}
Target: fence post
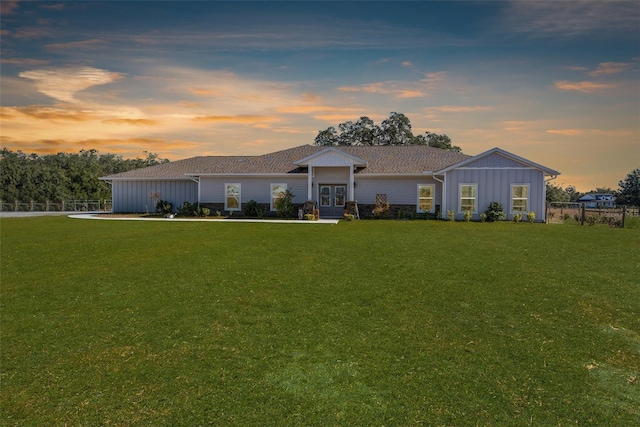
{"x": 15, "y": 206}
{"x": 624, "y": 214}
{"x": 582, "y": 214}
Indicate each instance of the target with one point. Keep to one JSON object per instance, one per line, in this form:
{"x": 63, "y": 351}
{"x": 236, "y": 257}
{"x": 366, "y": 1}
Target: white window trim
{"x": 282, "y": 184}
{"x": 433, "y": 198}
{"x": 473, "y": 184}
{"x": 512, "y": 198}
{"x": 227, "y": 184}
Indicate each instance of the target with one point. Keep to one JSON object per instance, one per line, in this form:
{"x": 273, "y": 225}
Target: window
{"x": 340, "y": 190}
{"x": 232, "y": 197}
{"x": 325, "y": 195}
{"x": 468, "y": 198}
{"x": 425, "y": 197}
{"x": 519, "y": 197}
{"x": 276, "y": 191}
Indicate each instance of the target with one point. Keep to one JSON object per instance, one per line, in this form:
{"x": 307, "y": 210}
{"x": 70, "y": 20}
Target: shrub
{"x": 483, "y": 217}
{"x": 451, "y": 215}
{"x": 467, "y": 215}
{"x": 253, "y": 209}
{"x": 495, "y": 212}
{"x": 192, "y": 209}
{"x": 284, "y": 204}
{"x": 164, "y": 207}
{"x": 531, "y": 216}
{"x": 592, "y": 220}
{"x": 517, "y": 217}
{"x": 349, "y": 217}
{"x": 382, "y": 210}
{"x": 310, "y": 217}
{"x": 616, "y": 223}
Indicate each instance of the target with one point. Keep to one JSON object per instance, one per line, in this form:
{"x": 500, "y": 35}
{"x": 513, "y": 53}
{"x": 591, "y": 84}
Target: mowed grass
{"x": 367, "y": 323}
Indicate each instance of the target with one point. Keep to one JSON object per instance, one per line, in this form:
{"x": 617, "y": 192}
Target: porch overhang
{"x": 331, "y": 157}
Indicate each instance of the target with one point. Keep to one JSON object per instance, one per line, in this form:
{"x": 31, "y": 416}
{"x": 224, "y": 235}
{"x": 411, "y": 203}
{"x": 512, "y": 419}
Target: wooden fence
{"x": 561, "y": 212}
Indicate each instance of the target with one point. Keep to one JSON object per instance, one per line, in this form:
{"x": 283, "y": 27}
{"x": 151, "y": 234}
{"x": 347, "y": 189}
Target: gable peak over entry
{"x": 331, "y": 157}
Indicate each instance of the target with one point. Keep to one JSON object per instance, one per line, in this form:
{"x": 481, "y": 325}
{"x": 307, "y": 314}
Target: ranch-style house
{"x": 418, "y": 179}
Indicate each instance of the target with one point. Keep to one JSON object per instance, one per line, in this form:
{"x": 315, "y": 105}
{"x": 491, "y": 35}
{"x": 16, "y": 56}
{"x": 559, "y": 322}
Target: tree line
{"x": 395, "y": 130}
{"x": 63, "y": 176}
{"x": 628, "y": 192}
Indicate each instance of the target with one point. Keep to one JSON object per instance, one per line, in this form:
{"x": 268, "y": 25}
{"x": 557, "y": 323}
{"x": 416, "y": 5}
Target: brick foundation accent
{"x": 366, "y": 211}
{"x": 264, "y": 206}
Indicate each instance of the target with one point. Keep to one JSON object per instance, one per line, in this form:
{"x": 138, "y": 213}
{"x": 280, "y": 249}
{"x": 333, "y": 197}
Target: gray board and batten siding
{"x": 135, "y": 195}
{"x": 258, "y": 188}
{"x": 494, "y": 176}
{"x": 399, "y": 190}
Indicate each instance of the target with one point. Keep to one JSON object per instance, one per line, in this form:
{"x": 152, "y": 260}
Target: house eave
{"x": 391, "y": 175}
{"x": 106, "y": 178}
{"x": 281, "y": 174}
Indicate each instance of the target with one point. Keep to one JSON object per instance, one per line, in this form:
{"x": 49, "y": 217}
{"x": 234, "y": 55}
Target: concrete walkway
{"x": 10, "y": 214}
{"x": 266, "y": 221}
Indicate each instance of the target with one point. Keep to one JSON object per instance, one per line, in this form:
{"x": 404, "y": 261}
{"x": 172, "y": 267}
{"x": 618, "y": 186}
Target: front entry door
{"x": 332, "y": 200}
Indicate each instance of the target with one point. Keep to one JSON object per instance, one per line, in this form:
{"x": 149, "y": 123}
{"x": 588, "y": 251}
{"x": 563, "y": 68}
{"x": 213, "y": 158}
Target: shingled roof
{"x": 380, "y": 160}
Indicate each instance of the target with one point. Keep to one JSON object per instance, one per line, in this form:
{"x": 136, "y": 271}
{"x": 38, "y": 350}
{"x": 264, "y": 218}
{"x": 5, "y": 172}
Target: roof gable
{"x": 497, "y": 158}
{"x": 331, "y": 157}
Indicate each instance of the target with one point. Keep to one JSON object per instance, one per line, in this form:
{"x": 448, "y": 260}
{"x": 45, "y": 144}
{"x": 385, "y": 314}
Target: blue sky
{"x": 555, "y": 82}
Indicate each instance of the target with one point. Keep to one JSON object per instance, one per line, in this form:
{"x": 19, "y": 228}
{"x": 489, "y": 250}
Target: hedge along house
{"x": 418, "y": 179}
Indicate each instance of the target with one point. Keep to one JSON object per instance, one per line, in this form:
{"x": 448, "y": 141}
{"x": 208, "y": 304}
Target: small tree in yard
{"x": 284, "y": 204}
{"x": 495, "y": 212}
{"x": 629, "y": 193}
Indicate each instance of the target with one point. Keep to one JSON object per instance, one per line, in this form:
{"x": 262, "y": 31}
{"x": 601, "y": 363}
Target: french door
{"x": 332, "y": 199}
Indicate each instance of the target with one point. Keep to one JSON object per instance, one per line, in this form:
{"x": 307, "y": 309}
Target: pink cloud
{"x": 7, "y": 7}
{"x": 83, "y": 44}
{"x": 460, "y": 108}
{"x": 566, "y": 132}
{"x": 609, "y": 68}
{"x": 584, "y": 87}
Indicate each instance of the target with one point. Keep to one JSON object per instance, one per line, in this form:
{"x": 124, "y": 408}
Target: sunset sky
{"x": 555, "y": 82}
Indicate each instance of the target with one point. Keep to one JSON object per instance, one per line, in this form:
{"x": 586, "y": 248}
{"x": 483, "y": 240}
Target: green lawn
{"x": 367, "y": 323}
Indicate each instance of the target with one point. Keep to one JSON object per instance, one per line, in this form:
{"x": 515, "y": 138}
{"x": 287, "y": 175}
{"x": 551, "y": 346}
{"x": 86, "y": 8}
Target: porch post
{"x": 310, "y": 183}
{"x": 352, "y": 191}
